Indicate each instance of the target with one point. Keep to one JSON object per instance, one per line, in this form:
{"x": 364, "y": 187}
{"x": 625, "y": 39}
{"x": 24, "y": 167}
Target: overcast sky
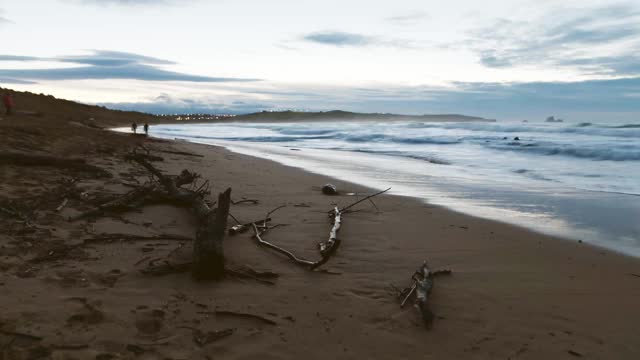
{"x": 506, "y": 59}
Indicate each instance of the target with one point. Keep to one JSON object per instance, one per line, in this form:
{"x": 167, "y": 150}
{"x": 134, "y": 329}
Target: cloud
{"x": 339, "y": 38}
{"x": 167, "y": 104}
{"x": 18, "y": 58}
{"x": 346, "y": 39}
{"x": 102, "y": 64}
{"x": 595, "y": 100}
{"x": 128, "y": 2}
{"x": 3, "y": 20}
{"x": 15, "y": 81}
{"x": 575, "y": 41}
{"x": 408, "y": 19}
{"x": 112, "y": 58}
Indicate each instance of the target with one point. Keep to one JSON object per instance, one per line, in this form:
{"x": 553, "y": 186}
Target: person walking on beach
{"x": 146, "y": 128}
{"x": 134, "y": 127}
{"x": 7, "y": 99}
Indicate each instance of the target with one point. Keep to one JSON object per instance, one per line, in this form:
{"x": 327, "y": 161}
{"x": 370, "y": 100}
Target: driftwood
{"x": 62, "y": 204}
{"x": 240, "y": 315}
{"x": 252, "y": 201}
{"x": 202, "y": 338}
{"x": 327, "y": 248}
{"x": 148, "y": 193}
{"x": 423, "y": 281}
{"x": 19, "y": 159}
{"x": 122, "y": 203}
{"x": 181, "y": 153}
{"x": 242, "y": 228}
{"x": 257, "y": 235}
{"x": 128, "y": 237}
{"x": 346, "y": 208}
{"x": 19, "y": 334}
{"x": 208, "y": 251}
{"x": 311, "y": 265}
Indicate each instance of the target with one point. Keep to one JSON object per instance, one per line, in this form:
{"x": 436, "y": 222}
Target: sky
{"x": 503, "y": 59}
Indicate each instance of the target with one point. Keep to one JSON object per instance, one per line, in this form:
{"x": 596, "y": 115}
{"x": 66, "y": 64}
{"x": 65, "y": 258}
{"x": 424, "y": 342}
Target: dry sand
{"x": 513, "y": 293}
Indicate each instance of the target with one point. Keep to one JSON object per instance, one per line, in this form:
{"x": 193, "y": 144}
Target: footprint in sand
{"x": 150, "y": 322}
{"x": 88, "y": 314}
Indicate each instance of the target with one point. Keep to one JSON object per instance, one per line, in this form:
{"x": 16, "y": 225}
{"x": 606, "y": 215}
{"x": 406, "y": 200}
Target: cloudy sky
{"x": 505, "y": 59}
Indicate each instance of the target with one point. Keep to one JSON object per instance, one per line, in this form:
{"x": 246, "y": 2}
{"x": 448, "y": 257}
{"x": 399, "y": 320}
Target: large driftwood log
{"x": 208, "y": 251}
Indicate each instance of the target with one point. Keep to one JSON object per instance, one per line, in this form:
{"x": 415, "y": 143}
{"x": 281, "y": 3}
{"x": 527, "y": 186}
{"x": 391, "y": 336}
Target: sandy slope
{"x": 514, "y": 294}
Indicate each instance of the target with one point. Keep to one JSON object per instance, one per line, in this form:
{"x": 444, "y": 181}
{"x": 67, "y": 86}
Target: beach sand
{"x": 513, "y": 294}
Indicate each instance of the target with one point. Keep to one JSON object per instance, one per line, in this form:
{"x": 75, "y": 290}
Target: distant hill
{"x": 60, "y": 111}
{"x": 338, "y": 115}
{"x": 64, "y": 111}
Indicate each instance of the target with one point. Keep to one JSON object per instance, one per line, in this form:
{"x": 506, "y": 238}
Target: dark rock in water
{"x": 516, "y": 138}
{"x": 329, "y": 189}
{"x": 504, "y": 138}
{"x": 552, "y": 119}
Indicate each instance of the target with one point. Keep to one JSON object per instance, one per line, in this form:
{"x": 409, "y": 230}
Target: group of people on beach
{"x": 7, "y": 100}
{"x": 134, "y": 128}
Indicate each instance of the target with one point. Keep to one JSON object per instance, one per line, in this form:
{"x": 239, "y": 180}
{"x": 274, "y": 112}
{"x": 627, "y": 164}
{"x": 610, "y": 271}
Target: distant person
{"x": 134, "y": 127}
{"x": 146, "y": 128}
{"x": 7, "y": 99}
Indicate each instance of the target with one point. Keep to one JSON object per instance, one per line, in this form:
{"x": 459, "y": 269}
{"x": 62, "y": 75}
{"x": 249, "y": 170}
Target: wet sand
{"x": 513, "y": 293}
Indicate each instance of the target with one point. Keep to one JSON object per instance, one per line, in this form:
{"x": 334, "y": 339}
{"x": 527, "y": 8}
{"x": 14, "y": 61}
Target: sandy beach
{"x": 513, "y": 293}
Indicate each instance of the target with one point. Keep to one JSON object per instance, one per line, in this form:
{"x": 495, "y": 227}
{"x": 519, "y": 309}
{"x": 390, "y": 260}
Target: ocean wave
{"x": 627, "y": 126}
{"x": 306, "y": 131}
{"x": 627, "y": 131}
{"x": 364, "y": 138}
{"x": 594, "y": 153}
{"x": 427, "y": 158}
{"x": 259, "y": 139}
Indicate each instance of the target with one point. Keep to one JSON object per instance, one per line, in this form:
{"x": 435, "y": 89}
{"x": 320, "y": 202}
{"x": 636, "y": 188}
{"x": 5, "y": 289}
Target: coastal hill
{"x": 339, "y": 115}
{"x": 57, "y": 110}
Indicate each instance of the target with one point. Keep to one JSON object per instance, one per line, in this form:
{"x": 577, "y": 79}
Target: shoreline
{"x": 563, "y": 229}
{"x": 512, "y": 293}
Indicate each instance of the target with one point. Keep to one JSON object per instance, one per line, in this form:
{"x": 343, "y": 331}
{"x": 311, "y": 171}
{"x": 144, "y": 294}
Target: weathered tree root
{"x": 123, "y": 203}
{"x": 19, "y": 159}
{"x": 148, "y": 193}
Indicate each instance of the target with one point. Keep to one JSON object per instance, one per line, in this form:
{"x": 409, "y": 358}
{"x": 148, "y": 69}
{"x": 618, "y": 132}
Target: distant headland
{"x": 334, "y": 115}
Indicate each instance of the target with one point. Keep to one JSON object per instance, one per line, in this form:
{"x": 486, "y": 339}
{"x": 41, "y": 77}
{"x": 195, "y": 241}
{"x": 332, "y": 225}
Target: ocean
{"x": 580, "y": 181}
